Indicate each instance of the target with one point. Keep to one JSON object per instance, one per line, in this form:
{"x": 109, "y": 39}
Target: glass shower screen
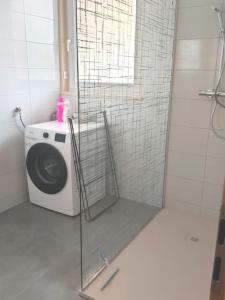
{"x": 124, "y": 50}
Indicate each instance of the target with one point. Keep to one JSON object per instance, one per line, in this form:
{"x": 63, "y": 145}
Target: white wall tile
{"x": 215, "y": 170}
{"x": 219, "y": 119}
{"x": 17, "y": 181}
{"x": 184, "y": 190}
{"x": 187, "y": 84}
{"x": 13, "y": 81}
{"x": 46, "y": 100}
{"x": 223, "y": 76}
{"x": 13, "y": 54}
{"x": 4, "y": 159}
{"x": 216, "y": 146}
{"x": 39, "y": 30}
{"x": 12, "y": 153}
{"x": 12, "y": 147}
{"x": 17, "y": 5}
{"x": 194, "y": 3}
{"x": 12, "y": 5}
{"x": 12, "y": 135}
{"x": 197, "y": 22}
{"x": 188, "y": 140}
{"x": 210, "y": 213}
{"x": 42, "y": 56}
{"x": 12, "y": 25}
{"x": 17, "y": 157}
{"x": 212, "y": 196}
{"x": 12, "y": 200}
{"x": 47, "y": 79}
{"x": 196, "y": 54}
{"x": 18, "y": 191}
{"x": 9, "y": 102}
{"x": 186, "y": 165}
{"x": 44, "y": 90}
{"x": 43, "y": 8}
{"x": 182, "y": 206}
{"x": 191, "y": 113}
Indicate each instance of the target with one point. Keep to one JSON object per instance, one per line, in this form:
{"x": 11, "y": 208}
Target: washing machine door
{"x": 46, "y": 168}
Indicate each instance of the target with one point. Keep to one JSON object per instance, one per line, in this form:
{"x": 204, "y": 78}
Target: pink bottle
{"x": 60, "y": 109}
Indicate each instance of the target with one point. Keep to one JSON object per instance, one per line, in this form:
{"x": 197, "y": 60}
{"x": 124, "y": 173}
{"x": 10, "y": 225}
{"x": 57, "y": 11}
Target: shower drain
{"x": 193, "y": 238}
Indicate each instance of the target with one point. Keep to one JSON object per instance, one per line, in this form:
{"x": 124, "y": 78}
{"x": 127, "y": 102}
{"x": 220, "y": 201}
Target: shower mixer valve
{"x": 211, "y": 93}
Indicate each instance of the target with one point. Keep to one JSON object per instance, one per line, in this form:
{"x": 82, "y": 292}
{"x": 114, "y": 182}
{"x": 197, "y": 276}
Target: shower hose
{"x": 217, "y": 100}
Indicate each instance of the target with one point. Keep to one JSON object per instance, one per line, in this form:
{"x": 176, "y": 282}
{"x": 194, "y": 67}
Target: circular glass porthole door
{"x": 46, "y": 168}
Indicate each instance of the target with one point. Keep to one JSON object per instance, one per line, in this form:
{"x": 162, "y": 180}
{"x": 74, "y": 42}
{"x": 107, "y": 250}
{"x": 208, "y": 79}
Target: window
{"x": 107, "y": 46}
{"x": 106, "y": 38}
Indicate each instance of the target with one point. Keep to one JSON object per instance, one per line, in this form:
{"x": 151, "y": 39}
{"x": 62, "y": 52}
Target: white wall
{"x": 196, "y": 159}
{"x": 28, "y": 78}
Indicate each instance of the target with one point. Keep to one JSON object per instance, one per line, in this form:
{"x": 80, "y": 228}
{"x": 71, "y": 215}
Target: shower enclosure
{"x": 124, "y": 66}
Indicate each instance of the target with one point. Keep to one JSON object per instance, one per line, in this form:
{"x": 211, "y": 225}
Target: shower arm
{"x": 211, "y": 93}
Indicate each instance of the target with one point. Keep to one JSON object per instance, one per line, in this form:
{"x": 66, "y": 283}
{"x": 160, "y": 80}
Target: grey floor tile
{"x": 40, "y": 249}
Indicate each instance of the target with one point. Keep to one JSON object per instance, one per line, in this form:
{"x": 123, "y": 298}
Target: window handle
{"x": 68, "y": 42}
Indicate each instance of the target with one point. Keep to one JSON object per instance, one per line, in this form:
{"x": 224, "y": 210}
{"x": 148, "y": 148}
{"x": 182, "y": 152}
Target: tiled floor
{"x": 40, "y": 249}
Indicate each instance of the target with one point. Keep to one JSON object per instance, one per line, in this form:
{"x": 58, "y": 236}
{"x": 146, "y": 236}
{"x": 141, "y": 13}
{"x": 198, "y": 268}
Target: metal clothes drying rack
{"x": 80, "y": 177}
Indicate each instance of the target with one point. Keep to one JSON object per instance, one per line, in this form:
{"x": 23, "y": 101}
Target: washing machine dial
{"x": 45, "y": 135}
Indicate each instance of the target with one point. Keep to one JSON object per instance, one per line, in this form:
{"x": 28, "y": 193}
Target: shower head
{"x": 220, "y": 18}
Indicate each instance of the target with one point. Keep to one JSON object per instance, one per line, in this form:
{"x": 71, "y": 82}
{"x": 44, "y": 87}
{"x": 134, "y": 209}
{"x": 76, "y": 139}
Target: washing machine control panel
{"x": 60, "y": 137}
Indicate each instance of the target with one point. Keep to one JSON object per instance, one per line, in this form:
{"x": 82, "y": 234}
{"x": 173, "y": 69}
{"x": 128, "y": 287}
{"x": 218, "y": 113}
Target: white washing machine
{"x": 50, "y": 169}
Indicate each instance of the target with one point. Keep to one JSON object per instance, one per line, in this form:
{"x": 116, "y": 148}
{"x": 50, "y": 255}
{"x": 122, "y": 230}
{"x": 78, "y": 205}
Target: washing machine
{"x": 50, "y": 168}
{"x": 49, "y": 165}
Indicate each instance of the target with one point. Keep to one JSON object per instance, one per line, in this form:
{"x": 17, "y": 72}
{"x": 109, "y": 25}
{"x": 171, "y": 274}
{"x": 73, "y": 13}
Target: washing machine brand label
{"x": 31, "y": 138}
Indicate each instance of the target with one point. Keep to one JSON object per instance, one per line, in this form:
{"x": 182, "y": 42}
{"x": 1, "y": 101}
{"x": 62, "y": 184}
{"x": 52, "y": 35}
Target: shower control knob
{"x": 45, "y": 135}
